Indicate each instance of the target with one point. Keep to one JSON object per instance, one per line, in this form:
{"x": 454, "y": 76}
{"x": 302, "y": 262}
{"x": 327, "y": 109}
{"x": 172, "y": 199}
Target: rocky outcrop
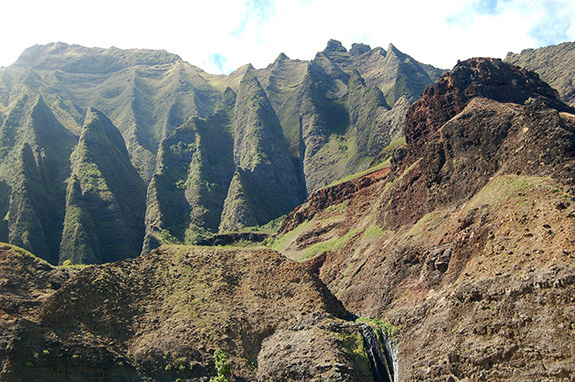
{"x": 315, "y": 349}
{"x": 234, "y": 238}
{"x": 479, "y": 77}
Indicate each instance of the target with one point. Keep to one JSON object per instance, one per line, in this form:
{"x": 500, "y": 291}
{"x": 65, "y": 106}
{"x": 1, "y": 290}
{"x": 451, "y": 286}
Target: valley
{"x": 298, "y": 218}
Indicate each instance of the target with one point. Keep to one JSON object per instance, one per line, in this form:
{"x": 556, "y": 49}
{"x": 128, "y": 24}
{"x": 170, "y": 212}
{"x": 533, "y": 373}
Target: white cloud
{"x": 225, "y": 34}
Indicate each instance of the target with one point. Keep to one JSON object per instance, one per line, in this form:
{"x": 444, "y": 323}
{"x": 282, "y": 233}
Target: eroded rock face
{"x": 466, "y": 244}
{"x": 476, "y": 77}
{"x": 315, "y": 349}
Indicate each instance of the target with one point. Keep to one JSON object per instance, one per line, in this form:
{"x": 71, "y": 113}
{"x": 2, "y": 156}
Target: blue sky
{"x": 221, "y": 35}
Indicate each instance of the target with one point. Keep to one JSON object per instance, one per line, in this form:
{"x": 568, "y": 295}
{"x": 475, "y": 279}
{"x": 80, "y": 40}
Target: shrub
{"x": 223, "y": 367}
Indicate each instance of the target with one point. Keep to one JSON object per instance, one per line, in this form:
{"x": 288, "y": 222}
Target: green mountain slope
{"x": 146, "y": 93}
{"x": 294, "y": 127}
{"x": 263, "y": 164}
{"x": 105, "y": 202}
{"x": 35, "y": 164}
{"x": 187, "y": 192}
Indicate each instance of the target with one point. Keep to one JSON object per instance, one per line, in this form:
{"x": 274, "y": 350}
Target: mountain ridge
{"x": 457, "y": 240}
{"x": 310, "y": 126}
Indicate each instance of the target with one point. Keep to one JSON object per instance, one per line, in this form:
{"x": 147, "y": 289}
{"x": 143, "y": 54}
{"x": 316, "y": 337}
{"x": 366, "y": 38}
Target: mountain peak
{"x": 359, "y": 49}
{"x": 392, "y": 49}
{"x": 80, "y": 59}
{"x": 489, "y": 78}
{"x": 282, "y": 56}
{"x": 334, "y": 46}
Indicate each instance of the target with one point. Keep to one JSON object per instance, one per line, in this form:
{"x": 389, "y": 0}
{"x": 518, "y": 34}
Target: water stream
{"x": 383, "y": 359}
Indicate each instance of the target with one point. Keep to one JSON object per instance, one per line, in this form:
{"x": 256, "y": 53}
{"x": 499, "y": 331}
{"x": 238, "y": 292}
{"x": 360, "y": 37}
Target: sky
{"x": 219, "y": 36}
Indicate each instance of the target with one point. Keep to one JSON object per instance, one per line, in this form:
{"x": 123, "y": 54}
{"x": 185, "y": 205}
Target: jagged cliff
{"x": 35, "y": 151}
{"x": 105, "y": 201}
{"x": 216, "y": 153}
{"x": 463, "y": 239}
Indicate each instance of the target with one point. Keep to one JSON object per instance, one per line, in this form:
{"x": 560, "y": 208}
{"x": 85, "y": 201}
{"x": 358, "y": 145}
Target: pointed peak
{"x": 92, "y": 114}
{"x": 95, "y": 116}
{"x": 98, "y": 126}
{"x": 229, "y": 98}
{"x": 26, "y": 150}
{"x": 244, "y": 69}
{"x": 393, "y": 51}
{"x": 282, "y": 57}
{"x": 40, "y": 104}
{"x": 250, "y": 77}
{"x": 241, "y": 71}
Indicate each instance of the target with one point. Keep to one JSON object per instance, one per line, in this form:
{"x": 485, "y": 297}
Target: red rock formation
{"x": 476, "y": 77}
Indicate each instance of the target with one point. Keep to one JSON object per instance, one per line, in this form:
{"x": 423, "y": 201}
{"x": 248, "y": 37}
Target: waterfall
{"x": 383, "y": 359}
{"x": 391, "y": 356}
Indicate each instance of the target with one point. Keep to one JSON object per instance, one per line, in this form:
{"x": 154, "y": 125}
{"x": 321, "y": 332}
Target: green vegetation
{"x": 223, "y": 367}
{"x": 283, "y": 240}
{"x": 333, "y": 244}
{"x": 501, "y": 188}
{"x": 354, "y": 346}
{"x": 384, "y": 164}
{"x": 271, "y": 227}
{"x": 154, "y": 106}
{"x": 105, "y": 200}
{"x": 424, "y": 224}
{"x": 390, "y": 331}
{"x": 372, "y": 233}
{"x": 19, "y": 251}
